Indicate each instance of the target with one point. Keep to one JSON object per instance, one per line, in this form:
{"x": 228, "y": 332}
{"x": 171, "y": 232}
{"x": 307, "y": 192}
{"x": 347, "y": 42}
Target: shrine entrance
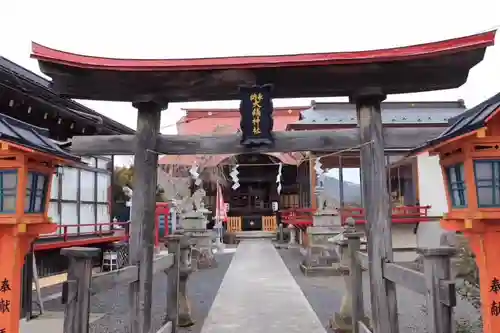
{"x": 366, "y": 77}
{"x": 251, "y": 201}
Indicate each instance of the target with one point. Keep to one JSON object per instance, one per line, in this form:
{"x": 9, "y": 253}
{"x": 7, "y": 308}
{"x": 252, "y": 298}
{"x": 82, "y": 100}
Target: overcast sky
{"x": 189, "y": 29}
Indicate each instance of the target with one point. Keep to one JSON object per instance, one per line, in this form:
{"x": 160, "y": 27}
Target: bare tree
{"x": 177, "y": 183}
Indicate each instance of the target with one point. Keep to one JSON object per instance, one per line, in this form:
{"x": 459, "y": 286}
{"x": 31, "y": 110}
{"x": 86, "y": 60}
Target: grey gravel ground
{"x": 202, "y": 288}
{"x": 325, "y": 295}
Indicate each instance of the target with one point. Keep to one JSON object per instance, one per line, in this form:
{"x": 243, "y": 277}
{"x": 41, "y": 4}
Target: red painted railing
{"x": 102, "y": 233}
{"x": 302, "y": 217}
{"x": 400, "y": 215}
{"x": 298, "y": 217}
{"x": 64, "y": 237}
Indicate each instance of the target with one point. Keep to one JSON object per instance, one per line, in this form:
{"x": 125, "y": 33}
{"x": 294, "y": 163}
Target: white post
{"x": 218, "y": 221}
{"x": 128, "y": 192}
{"x": 218, "y": 233}
{"x": 173, "y": 215}
{"x": 292, "y": 234}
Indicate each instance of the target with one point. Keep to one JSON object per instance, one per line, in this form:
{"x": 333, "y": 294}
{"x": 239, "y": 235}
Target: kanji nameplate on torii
{"x": 256, "y": 109}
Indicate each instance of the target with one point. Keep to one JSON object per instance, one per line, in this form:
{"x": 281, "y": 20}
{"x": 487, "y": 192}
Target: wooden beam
{"x": 105, "y": 281}
{"x": 394, "y": 138}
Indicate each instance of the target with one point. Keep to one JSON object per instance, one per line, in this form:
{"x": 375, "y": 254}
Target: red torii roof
{"x": 45, "y": 53}
{"x": 227, "y": 121}
{"x": 431, "y": 66}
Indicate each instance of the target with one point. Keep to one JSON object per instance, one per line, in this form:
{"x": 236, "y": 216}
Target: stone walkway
{"x": 258, "y": 294}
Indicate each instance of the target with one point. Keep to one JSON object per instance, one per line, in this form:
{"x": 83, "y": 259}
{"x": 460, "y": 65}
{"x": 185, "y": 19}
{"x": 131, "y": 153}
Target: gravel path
{"x": 325, "y": 295}
{"x": 202, "y": 288}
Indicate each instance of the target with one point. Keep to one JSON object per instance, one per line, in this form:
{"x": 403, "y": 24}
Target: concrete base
{"x": 254, "y": 234}
{"x": 203, "y": 258}
{"x": 185, "y": 321}
{"x": 340, "y": 324}
{"x": 229, "y": 238}
{"x": 282, "y": 246}
{"x": 194, "y": 222}
{"x": 327, "y": 219}
{"x": 333, "y": 270}
{"x": 321, "y": 257}
{"x": 167, "y": 328}
{"x": 202, "y": 252}
{"x": 219, "y": 247}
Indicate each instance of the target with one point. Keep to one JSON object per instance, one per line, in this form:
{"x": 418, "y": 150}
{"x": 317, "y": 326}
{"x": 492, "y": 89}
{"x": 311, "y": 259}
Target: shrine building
{"x": 469, "y": 158}
{"x": 80, "y": 200}
{"x": 251, "y": 203}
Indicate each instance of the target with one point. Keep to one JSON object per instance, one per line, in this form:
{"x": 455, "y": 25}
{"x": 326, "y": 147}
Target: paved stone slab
{"x": 258, "y": 295}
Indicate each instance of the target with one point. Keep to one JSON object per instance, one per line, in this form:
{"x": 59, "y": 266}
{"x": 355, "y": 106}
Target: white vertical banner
{"x": 220, "y": 212}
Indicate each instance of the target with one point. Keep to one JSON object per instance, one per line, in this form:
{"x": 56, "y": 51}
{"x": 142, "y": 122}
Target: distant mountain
{"x": 352, "y": 191}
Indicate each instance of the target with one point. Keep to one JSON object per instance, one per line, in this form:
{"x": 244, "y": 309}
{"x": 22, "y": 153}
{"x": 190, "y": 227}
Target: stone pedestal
{"x": 321, "y": 257}
{"x": 181, "y": 311}
{"x": 341, "y": 321}
{"x": 327, "y": 218}
{"x": 202, "y": 253}
{"x": 194, "y": 224}
{"x": 281, "y": 237}
{"x": 193, "y": 221}
{"x": 185, "y": 319}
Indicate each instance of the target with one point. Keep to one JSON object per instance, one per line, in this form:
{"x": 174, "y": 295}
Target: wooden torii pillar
{"x": 377, "y": 208}
{"x": 142, "y": 228}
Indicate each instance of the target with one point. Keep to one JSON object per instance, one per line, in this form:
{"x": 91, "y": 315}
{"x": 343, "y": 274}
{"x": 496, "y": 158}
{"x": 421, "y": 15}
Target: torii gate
{"x": 366, "y": 77}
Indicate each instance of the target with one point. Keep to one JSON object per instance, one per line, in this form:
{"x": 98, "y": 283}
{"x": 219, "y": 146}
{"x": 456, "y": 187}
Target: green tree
{"x": 124, "y": 176}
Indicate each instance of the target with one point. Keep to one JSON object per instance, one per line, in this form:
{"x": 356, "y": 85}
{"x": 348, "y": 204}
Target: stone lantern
{"x": 28, "y": 160}
{"x": 322, "y": 257}
{"x": 469, "y": 154}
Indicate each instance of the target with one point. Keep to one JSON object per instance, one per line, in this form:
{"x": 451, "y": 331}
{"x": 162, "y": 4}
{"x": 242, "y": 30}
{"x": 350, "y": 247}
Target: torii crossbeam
{"x": 396, "y": 140}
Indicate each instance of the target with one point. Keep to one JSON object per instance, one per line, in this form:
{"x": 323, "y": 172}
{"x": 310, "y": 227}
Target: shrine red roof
{"x": 227, "y": 121}
{"x": 431, "y": 66}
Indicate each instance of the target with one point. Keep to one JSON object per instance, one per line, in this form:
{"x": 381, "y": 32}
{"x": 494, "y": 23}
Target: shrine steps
{"x": 257, "y": 234}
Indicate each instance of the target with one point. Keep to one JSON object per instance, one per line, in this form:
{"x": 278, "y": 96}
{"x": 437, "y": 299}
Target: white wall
{"x": 429, "y": 234}
{"x": 403, "y": 237}
{"x": 431, "y": 184}
{"x": 431, "y": 192}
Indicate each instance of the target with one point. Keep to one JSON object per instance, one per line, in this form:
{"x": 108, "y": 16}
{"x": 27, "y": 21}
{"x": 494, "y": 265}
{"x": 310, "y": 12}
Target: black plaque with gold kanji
{"x": 256, "y": 109}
